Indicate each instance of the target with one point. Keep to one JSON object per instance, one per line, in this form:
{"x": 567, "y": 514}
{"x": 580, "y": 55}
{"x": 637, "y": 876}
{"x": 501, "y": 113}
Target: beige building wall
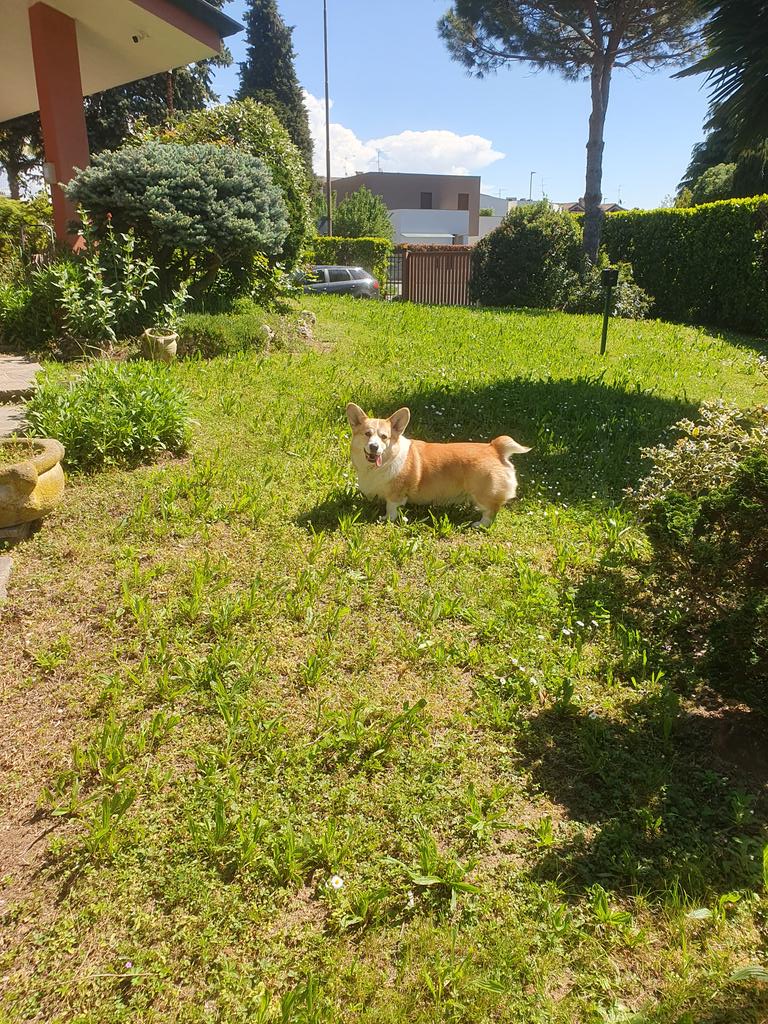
{"x": 403, "y": 191}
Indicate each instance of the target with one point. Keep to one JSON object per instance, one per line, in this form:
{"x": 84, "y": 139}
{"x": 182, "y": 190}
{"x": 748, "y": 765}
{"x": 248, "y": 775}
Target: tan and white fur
{"x": 400, "y": 469}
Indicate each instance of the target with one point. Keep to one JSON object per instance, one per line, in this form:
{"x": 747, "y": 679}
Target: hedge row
{"x": 704, "y": 264}
{"x": 371, "y": 253}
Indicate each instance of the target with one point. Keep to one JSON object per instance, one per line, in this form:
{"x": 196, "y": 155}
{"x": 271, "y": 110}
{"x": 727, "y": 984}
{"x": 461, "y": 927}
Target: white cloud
{"x": 436, "y": 151}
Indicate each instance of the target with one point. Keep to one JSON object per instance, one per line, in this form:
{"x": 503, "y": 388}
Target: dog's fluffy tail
{"x": 507, "y": 447}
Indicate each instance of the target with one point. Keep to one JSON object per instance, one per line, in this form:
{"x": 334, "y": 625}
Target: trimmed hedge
{"x": 371, "y": 253}
{"x": 703, "y": 264}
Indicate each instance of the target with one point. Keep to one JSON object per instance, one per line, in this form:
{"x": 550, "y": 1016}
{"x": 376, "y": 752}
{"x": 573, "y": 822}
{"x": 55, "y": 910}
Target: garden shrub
{"x": 111, "y": 414}
{"x": 371, "y": 253}
{"x": 705, "y": 502}
{"x": 215, "y": 334}
{"x": 533, "y": 258}
{"x": 254, "y": 128}
{"x": 703, "y": 264}
{"x": 31, "y": 318}
{"x": 108, "y": 291}
{"x": 588, "y": 295}
{"x": 83, "y": 301}
{"x": 194, "y": 209}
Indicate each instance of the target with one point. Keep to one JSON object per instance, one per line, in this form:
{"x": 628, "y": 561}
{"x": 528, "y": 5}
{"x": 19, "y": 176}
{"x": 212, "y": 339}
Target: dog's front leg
{"x": 392, "y": 507}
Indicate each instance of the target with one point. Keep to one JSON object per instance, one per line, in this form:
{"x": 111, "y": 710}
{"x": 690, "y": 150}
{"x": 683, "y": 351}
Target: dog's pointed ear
{"x": 355, "y": 415}
{"x": 399, "y": 420}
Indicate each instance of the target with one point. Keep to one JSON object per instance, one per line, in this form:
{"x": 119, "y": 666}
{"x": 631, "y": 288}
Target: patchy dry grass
{"x": 225, "y": 682}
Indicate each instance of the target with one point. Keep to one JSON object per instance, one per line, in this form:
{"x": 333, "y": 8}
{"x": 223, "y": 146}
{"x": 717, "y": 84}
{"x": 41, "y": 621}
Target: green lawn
{"x": 226, "y": 681}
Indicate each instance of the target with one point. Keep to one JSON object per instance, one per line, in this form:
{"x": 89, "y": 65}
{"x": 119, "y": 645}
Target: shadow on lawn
{"x": 327, "y": 515}
{"x": 339, "y": 504}
{"x": 586, "y": 435}
{"x": 658, "y": 800}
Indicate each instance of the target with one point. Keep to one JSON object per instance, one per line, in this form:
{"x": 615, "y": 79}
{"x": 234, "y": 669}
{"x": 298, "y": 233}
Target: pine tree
{"x": 21, "y": 150}
{"x": 268, "y": 75}
{"x": 579, "y": 40}
{"x": 112, "y": 114}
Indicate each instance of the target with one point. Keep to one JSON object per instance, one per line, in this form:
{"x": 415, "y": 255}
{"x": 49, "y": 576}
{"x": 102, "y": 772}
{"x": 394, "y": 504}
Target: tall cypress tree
{"x": 268, "y": 75}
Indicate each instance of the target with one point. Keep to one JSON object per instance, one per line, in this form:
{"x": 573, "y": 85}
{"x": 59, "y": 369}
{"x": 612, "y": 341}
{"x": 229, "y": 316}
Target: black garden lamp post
{"x": 609, "y": 278}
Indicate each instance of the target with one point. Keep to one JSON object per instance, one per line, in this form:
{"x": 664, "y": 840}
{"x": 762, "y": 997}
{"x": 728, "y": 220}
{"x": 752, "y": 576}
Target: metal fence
{"x": 394, "y": 286}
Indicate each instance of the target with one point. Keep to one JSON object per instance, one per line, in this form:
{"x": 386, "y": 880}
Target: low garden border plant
{"x": 111, "y": 414}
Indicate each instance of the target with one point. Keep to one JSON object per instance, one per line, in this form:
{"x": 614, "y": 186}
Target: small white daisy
{"x": 336, "y": 882}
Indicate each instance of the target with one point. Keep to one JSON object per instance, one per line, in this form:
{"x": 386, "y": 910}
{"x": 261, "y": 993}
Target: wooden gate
{"x": 437, "y": 274}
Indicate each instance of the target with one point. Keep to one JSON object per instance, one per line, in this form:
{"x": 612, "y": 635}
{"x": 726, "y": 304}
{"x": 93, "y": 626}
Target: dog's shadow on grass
{"x": 343, "y": 506}
{"x": 655, "y": 799}
{"x": 340, "y": 506}
{"x": 586, "y": 435}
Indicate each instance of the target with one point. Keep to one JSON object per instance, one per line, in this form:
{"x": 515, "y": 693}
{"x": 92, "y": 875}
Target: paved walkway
{"x": 17, "y": 381}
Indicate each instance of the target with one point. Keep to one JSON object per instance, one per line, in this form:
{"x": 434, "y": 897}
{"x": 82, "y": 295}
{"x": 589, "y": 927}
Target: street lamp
{"x": 530, "y": 185}
{"x": 329, "y": 211}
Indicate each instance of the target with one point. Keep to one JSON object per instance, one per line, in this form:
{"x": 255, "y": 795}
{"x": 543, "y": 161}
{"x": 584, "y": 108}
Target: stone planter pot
{"x": 31, "y": 487}
{"x": 159, "y": 345}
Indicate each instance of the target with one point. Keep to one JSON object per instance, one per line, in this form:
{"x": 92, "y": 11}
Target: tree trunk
{"x": 14, "y": 182}
{"x": 169, "y": 94}
{"x": 593, "y": 191}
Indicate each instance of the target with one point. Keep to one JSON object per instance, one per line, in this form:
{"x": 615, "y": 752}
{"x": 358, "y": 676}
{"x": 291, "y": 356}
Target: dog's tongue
{"x": 378, "y": 460}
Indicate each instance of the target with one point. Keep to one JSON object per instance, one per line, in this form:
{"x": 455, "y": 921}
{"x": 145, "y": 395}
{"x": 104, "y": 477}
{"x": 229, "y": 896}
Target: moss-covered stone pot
{"x": 31, "y": 479}
{"x": 159, "y": 345}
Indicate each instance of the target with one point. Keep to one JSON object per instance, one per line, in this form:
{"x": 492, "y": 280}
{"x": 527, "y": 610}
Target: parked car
{"x": 342, "y": 281}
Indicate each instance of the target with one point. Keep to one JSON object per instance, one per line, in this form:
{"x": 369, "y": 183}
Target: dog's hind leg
{"x": 487, "y": 517}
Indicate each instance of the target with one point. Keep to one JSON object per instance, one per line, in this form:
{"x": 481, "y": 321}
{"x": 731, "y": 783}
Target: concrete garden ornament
{"x": 31, "y": 479}
{"x": 160, "y": 345}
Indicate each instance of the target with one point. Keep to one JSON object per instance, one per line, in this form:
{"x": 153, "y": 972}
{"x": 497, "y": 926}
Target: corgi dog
{"x": 400, "y": 469}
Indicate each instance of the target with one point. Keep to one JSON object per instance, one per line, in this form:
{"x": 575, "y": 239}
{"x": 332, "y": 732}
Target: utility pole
{"x": 328, "y": 198}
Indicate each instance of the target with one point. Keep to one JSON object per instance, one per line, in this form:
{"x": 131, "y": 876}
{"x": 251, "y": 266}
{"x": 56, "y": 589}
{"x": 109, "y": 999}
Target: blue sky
{"x": 395, "y": 90}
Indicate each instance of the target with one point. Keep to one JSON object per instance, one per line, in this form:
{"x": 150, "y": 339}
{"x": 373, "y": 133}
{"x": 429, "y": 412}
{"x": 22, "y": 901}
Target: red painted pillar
{"x": 60, "y": 96}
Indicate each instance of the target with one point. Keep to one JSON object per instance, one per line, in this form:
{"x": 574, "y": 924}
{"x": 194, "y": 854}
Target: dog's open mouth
{"x": 373, "y": 459}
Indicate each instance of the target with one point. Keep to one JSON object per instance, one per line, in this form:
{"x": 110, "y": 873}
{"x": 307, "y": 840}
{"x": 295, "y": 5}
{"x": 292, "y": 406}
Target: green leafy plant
{"x": 169, "y": 317}
{"x": 705, "y": 502}
{"x": 703, "y": 264}
{"x": 533, "y": 258}
{"x": 588, "y": 295}
{"x": 25, "y": 228}
{"x": 441, "y": 875}
{"x": 112, "y": 413}
{"x": 105, "y": 293}
{"x": 255, "y": 129}
{"x": 195, "y": 209}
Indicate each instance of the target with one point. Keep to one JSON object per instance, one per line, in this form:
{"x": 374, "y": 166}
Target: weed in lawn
{"x": 484, "y": 815}
{"x": 437, "y": 877}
